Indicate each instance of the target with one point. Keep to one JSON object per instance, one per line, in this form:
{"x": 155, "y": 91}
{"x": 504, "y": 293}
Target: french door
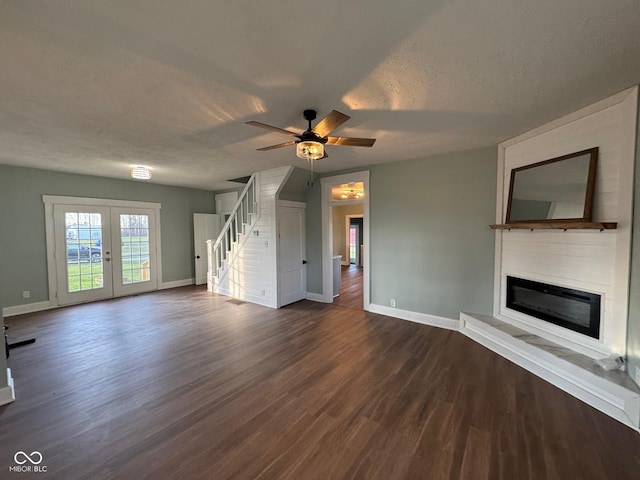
{"x": 103, "y": 251}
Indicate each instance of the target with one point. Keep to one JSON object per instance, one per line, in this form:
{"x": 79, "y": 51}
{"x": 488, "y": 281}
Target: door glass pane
{"x": 83, "y": 241}
{"x": 134, "y": 237}
{"x": 353, "y": 238}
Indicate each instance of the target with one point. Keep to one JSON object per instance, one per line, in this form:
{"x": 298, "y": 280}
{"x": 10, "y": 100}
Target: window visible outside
{"x": 353, "y": 239}
{"x": 134, "y": 235}
{"x": 83, "y": 241}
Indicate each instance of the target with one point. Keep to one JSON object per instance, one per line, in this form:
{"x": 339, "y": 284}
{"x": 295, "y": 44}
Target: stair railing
{"x": 245, "y": 212}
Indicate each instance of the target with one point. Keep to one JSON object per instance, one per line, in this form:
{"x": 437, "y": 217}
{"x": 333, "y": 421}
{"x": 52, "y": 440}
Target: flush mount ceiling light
{"x": 140, "y": 172}
{"x": 352, "y": 194}
{"x": 348, "y": 192}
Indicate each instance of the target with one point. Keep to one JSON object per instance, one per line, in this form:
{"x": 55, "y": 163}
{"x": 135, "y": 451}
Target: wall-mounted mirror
{"x": 560, "y": 189}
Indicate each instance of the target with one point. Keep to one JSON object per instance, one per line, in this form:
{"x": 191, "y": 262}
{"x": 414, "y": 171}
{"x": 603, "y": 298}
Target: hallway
{"x": 351, "y": 291}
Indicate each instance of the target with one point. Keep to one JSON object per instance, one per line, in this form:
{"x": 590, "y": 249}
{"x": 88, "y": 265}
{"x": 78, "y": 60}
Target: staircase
{"x": 222, "y": 251}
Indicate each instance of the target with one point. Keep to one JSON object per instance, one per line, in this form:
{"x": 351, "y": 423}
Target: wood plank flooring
{"x": 351, "y": 291}
{"x": 182, "y": 384}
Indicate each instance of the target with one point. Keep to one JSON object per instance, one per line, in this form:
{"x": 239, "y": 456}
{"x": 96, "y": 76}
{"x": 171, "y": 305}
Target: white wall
{"x": 6, "y": 383}
{"x": 253, "y": 274}
{"x": 586, "y": 260}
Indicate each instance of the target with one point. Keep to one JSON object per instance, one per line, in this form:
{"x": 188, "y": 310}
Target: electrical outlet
{"x": 393, "y": 302}
{"x": 263, "y": 293}
{"x": 26, "y": 294}
{"x": 637, "y": 375}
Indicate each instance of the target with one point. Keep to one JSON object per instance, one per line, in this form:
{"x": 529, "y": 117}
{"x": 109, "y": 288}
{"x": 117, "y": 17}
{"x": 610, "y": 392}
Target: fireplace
{"x": 573, "y": 309}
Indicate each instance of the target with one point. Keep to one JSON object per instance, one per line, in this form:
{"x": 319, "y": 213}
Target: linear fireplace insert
{"x": 573, "y": 309}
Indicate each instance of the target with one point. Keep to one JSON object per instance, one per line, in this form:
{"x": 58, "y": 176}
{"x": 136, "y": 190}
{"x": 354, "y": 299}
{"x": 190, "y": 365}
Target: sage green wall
{"x": 430, "y": 244}
{"x": 296, "y": 187}
{"x": 314, "y": 238}
{"x": 23, "y": 257}
{"x": 633, "y": 327}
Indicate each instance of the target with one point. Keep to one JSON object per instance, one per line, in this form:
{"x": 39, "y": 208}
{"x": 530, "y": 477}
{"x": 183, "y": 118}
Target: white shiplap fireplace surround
{"x": 588, "y": 260}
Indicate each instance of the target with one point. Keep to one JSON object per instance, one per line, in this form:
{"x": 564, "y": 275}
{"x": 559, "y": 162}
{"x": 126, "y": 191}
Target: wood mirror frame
{"x": 547, "y": 177}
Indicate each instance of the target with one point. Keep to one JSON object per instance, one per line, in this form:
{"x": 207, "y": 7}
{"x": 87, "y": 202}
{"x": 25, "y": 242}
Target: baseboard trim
{"x": 423, "y": 318}
{"x": 177, "y": 283}
{"x": 315, "y": 297}
{"x": 615, "y": 402}
{"x": 8, "y": 393}
{"x": 26, "y": 308}
{"x": 245, "y": 297}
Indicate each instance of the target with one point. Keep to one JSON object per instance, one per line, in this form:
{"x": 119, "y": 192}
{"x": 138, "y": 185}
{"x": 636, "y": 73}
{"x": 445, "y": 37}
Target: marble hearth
{"x": 611, "y": 392}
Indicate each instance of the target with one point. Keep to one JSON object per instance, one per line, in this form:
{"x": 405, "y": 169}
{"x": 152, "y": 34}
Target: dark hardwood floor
{"x": 351, "y": 295}
{"x": 183, "y": 384}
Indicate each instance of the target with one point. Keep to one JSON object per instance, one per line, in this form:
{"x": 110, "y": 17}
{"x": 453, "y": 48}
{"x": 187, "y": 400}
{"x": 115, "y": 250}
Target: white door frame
{"x": 347, "y": 240}
{"x": 51, "y": 200}
{"x": 327, "y": 232}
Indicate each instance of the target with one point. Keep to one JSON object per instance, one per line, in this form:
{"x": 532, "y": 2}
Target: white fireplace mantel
{"x": 583, "y": 259}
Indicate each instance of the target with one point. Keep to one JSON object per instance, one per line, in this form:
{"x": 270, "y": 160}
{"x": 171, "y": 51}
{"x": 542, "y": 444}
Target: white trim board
{"x": 617, "y": 401}
{"x": 177, "y": 283}
{"x": 26, "y": 308}
{"x": 315, "y": 297}
{"x": 8, "y": 393}
{"x": 423, "y": 318}
{"x": 63, "y": 200}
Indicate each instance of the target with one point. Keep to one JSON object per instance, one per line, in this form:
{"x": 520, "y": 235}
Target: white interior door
{"x": 292, "y": 270}
{"x": 82, "y": 254}
{"x": 206, "y": 226}
{"x": 102, "y": 252}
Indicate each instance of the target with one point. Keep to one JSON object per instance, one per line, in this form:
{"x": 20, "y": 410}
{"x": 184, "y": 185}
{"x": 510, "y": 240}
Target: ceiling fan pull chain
{"x": 310, "y": 181}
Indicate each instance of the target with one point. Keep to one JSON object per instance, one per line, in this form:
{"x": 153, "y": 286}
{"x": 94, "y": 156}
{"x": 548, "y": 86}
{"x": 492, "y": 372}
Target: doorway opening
{"x": 350, "y": 249}
{"x": 98, "y": 249}
{"x": 345, "y": 235}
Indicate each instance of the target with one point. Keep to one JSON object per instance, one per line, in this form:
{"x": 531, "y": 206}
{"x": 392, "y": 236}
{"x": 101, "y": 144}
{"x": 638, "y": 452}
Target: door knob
{"x": 198, "y": 256}
{"x": 304, "y": 262}
{"x": 107, "y": 259}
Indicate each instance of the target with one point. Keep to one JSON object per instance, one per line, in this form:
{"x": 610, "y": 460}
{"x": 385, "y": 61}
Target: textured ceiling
{"x": 93, "y": 86}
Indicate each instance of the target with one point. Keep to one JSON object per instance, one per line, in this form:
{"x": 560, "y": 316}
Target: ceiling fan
{"x": 310, "y": 143}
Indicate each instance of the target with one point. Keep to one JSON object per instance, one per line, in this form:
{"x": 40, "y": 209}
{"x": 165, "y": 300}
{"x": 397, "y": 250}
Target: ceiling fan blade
{"x": 329, "y": 123}
{"x": 280, "y": 145}
{"x": 270, "y": 127}
{"x": 351, "y": 141}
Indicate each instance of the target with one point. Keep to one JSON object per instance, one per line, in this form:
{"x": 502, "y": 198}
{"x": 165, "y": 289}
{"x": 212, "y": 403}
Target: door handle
{"x": 107, "y": 259}
{"x": 304, "y": 262}
{"x": 198, "y": 256}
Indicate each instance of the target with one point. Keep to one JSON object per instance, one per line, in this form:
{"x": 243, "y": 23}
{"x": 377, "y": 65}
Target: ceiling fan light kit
{"x": 310, "y": 143}
{"x": 310, "y": 150}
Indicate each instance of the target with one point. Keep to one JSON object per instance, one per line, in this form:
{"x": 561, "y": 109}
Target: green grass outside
{"x": 87, "y": 275}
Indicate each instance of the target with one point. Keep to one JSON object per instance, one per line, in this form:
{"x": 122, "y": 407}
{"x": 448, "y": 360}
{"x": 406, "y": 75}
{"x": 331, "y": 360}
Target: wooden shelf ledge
{"x": 556, "y": 226}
